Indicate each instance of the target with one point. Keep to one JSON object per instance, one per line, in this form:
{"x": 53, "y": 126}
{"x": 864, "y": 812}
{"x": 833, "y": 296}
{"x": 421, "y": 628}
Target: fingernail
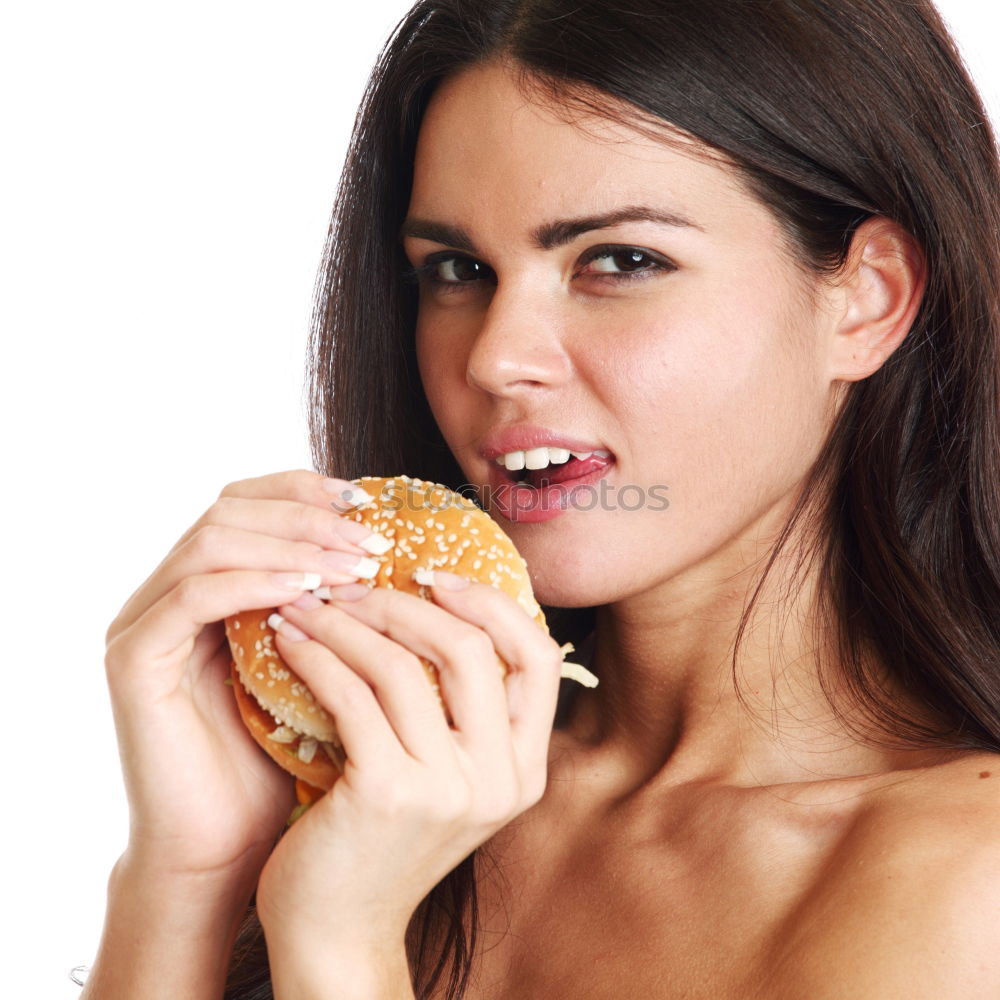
{"x": 437, "y": 578}
{"x": 286, "y": 628}
{"x": 376, "y": 544}
{"x": 344, "y": 562}
{"x": 350, "y": 496}
{"x": 307, "y": 602}
{"x": 297, "y": 581}
{"x": 345, "y": 592}
{"x": 353, "y": 532}
{"x": 334, "y": 485}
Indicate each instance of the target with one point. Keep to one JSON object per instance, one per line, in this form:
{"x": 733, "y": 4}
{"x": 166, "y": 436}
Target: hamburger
{"x": 423, "y": 526}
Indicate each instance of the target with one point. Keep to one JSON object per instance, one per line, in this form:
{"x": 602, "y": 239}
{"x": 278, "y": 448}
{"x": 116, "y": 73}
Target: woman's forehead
{"x": 489, "y": 144}
{"x": 492, "y": 101}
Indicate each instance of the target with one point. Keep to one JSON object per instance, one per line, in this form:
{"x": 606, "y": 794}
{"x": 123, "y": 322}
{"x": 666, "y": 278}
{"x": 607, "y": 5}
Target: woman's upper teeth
{"x": 539, "y": 458}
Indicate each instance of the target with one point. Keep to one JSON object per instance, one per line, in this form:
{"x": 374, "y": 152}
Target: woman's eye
{"x": 453, "y": 272}
{"x": 622, "y": 261}
{"x": 457, "y": 270}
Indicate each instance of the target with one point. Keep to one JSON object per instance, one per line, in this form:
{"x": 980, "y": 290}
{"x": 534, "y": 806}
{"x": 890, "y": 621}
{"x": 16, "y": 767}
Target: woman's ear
{"x": 878, "y": 293}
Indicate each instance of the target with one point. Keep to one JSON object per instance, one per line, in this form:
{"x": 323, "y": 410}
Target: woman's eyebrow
{"x": 555, "y": 234}
{"x": 437, "y": 232}
{"x": 549, "y": 235}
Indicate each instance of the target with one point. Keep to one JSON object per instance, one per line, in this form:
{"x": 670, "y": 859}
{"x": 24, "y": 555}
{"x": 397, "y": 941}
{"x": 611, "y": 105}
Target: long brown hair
{"x": 832, "y": 111}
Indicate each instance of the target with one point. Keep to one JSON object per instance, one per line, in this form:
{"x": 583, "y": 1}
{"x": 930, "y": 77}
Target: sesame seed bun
{"x": 430, "y": 527}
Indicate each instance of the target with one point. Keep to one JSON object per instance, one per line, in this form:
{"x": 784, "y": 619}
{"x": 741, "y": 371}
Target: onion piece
{"x": 307, "y": 749}
{"x": 579, "y": 673}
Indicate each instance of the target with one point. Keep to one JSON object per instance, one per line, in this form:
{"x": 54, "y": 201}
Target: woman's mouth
{"x": 558, "y": 481}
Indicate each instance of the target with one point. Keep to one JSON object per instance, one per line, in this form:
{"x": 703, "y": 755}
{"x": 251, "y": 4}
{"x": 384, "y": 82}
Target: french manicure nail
{"x": 307, "y": 602}
{"x": 297, "y": 581}
{"x": 376, "y": 544}
{"x": 286, "y": 628}
{"x": 347, "y": 592}
{"x": 351, "y": 496}
{"x": 342, "y": 592}
{"x": 437, "y": 578}
{"x": 344, "y": 562}
{"x": 351, "y": 531}
{"x": 334, "y": 485}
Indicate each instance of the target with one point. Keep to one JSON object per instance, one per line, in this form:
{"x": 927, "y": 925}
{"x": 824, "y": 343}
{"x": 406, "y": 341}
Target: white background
{"x": 167, "y": 176}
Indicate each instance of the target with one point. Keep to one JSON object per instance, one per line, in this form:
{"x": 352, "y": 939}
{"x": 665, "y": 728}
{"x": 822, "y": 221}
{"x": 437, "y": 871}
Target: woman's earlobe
{"x": 881, "y": 285}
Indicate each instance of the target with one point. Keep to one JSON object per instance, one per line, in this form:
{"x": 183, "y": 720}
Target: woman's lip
{"x": 529, "y": 504}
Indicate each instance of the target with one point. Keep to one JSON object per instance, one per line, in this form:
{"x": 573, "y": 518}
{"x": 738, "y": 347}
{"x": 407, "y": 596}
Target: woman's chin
{"x": 572, "y": 593}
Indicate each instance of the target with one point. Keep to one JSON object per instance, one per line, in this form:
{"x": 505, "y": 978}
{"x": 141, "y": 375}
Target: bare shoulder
{"x": 909, "y": 905}
{"x": 957, "y": 797}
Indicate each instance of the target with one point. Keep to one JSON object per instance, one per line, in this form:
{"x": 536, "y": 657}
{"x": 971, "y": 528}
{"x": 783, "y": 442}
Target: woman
{"x": 747, "y": 254}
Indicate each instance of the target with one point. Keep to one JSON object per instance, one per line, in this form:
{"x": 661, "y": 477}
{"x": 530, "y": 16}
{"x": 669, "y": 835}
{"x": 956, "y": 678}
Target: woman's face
{"x": 589, "y": 287}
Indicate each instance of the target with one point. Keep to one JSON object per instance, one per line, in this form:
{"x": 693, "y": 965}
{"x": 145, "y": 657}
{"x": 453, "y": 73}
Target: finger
{"x": 290, "y": 519}
{"x": 531, "y": 654}
{"x": 393, "y": 673}
{"x": 470, "y": 676}
{"x": 301, "y": 485}
{"x": 215, "y": 547}
{"x": 370, "y": 741}
{"x": 161, "y": 639}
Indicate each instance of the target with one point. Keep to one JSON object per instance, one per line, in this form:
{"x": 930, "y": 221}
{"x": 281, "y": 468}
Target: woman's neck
{"x": 667, "y": 709}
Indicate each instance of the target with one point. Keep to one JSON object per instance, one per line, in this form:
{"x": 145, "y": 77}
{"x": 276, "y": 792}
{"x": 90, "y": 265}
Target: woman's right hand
{"x": 203, "y": 798}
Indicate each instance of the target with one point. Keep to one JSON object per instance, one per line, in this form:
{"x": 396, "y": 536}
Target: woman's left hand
{"x": 417, "y": 795}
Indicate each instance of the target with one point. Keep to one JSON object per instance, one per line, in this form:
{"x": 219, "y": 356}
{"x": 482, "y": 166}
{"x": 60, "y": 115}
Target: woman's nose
{"x": 519, "y": 344}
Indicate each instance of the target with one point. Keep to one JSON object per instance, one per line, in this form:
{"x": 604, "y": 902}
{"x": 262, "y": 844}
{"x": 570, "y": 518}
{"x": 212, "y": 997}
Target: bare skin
{"x": 686, "y": 846}
{"x": 667, "y": 840}
{"x": 713, "y": 891}
{"x": 335, "y": 895}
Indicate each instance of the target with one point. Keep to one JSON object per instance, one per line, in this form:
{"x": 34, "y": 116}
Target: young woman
{"x": 746, "y": 255}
